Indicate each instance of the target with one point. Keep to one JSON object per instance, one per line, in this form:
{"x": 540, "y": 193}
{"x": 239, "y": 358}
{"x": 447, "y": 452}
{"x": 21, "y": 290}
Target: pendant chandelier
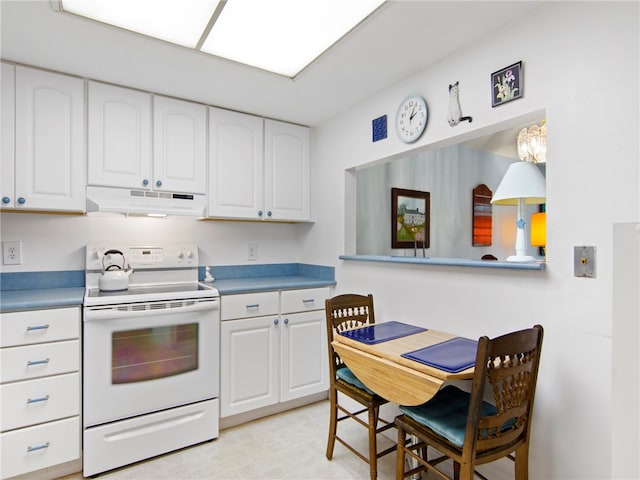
{"x": 532, "y": 143}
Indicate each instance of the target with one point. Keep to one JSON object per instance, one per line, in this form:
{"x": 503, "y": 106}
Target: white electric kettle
{"x": 114, "y": 277}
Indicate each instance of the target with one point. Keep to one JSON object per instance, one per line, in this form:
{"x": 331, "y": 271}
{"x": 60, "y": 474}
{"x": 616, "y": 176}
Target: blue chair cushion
{"x": 446, "y": 413}
{"x": 347, "y": 375}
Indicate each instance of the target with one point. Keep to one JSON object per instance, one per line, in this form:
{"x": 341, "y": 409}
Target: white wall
{"x": 581, "y": 66}
{"x": 56, "y": 242}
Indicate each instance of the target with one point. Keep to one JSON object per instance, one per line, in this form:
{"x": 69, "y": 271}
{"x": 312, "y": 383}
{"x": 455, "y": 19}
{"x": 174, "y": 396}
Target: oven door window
{"x": 151, "y": 353}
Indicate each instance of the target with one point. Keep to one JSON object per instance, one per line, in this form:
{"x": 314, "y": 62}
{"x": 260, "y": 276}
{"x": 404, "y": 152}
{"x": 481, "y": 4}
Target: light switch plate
{"x": 584, "y": 261}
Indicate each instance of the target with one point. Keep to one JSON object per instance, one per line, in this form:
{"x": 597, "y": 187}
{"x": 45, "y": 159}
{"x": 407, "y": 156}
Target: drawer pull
{"x": 37, "y": 447}
{"x": 310, "y": 300}
{"x": 37, "y": 327}
{"x": 37, "y": 362}
{"x": 254, "y": 305}
{"x": 36, "y": 400}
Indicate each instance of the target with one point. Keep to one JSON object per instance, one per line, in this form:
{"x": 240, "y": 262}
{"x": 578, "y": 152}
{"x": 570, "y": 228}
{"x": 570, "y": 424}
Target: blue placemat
{"x": 452, "y": 356}
{"x": 381, "y": 332}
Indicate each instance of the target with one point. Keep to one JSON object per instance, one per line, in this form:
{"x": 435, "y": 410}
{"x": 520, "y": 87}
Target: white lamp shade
{"x": 522, "y": 180}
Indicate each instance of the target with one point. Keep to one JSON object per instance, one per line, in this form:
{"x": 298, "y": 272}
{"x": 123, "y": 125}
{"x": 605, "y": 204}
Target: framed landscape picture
{"x": 409, "y": 218}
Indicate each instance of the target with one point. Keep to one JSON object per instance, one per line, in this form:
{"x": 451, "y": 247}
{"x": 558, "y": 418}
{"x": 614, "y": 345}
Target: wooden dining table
{"x": 383, "y": 369}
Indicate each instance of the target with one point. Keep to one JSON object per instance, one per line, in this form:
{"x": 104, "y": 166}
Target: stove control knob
{"x": 180, "y": 254}
{"x": 189, "y": 254}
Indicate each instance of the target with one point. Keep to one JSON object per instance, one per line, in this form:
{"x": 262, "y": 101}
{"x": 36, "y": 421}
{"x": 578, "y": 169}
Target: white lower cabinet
{"x": 38, "y": 447}
{"x": 249, "y": 367}
{"x": 278, "y": 356}
{"x": 303, "y": 355}
{"x": 40, "y": 390}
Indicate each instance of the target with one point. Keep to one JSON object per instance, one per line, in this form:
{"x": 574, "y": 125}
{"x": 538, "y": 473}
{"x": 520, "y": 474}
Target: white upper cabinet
{"x": 180, "y": 145}
{"x": 286, "y": 171}
{"x": 7, "y": 141}
{"x": 235, "y": 164}
{"x": 259, "y": 169}
{"x": 119, "y": 137}
{"x": 121, "y": 150}
{"x": 45, "y": 168}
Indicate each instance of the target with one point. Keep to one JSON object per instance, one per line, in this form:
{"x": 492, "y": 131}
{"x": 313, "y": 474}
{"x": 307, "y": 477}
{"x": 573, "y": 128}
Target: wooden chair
{"x": 470, "y": 431}
{"x": 344, "y": 312}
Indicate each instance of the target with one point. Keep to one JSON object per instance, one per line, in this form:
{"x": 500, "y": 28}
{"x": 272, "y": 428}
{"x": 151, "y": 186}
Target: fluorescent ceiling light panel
{"x": 283, "y": 36}
{"x": 175, "y": 21}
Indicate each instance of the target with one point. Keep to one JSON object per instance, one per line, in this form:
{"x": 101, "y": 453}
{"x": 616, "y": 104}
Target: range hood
{"x": 144, "y": 202}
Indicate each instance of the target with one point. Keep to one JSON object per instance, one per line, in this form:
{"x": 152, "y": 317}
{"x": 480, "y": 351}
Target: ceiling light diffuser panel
{"x": 281, "y": 36}
{"x": 176, "y": 21}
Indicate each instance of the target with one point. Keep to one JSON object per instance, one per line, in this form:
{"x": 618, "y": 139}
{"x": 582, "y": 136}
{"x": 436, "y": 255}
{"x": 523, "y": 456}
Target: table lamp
{"x": 523, "y": 184}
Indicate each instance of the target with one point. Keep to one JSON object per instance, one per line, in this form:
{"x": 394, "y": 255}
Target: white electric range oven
{"x": 150, "y": 356}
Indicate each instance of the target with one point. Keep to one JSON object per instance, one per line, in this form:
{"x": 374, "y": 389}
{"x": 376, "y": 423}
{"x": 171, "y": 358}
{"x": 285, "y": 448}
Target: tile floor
{"x": 289, "y": 445}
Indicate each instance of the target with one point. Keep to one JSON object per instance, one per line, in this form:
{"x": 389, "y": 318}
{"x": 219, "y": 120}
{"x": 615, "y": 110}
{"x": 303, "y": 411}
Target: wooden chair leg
{"x": 333, "y": 423}
{"x": 522, "y": 462}
{"x": 466, "y": 470}
{"x": 400, "y": 455}
{"x": 373, "y": 448}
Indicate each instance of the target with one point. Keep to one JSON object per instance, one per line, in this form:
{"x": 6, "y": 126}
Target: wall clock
{"x": 411, "y": 119}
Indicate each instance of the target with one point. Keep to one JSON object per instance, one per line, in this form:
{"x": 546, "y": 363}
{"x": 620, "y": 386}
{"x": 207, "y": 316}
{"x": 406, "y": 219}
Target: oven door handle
{"x": 115, "y": 312}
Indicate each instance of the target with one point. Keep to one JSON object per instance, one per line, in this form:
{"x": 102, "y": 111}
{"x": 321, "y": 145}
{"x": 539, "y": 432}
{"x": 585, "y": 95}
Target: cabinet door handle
{"x": 259, "y": 213}
{"x": 286, "y": 321}
{"x": 5, "y": 200}
{"x": 37, "y": 447}
{"x": 36, "y": 400}
{"x": 158, "y": 183}
{"x": 269, "y": 213}
{"x": 253, "y": 305}
{"x": 37, "y": 362}
{"x": 37, "y": 327}
{"x": 145, "y": 182}
{"x": 276, "y": 321}
{"x": 309, "y": 300}
{"x": 21, "y": 200}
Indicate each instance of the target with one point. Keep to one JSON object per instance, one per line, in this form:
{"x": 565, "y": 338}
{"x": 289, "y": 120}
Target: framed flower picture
{"x": 507, "y": 84}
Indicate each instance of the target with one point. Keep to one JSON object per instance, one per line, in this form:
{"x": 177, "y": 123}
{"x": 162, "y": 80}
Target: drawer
{"x": 249, "y": 305}
{"x": 304, "y": 300}
{"x": 38, "y": 401}
{"x": 30, "y": 449}
{"x": 39, "y": 326}
{"x": 40, "y": 360}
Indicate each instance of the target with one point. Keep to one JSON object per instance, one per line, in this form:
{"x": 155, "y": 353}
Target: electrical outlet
{"x": 252, "y": 251}
{"x": 12, "y": 253}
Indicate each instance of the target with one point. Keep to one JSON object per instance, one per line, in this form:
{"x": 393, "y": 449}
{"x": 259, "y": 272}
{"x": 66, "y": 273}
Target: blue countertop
{"x": 257, "y": 284}
{"x": 38, "y": 290}
{"x": 38, "y": 298}
{"x": 232, "y": 279}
